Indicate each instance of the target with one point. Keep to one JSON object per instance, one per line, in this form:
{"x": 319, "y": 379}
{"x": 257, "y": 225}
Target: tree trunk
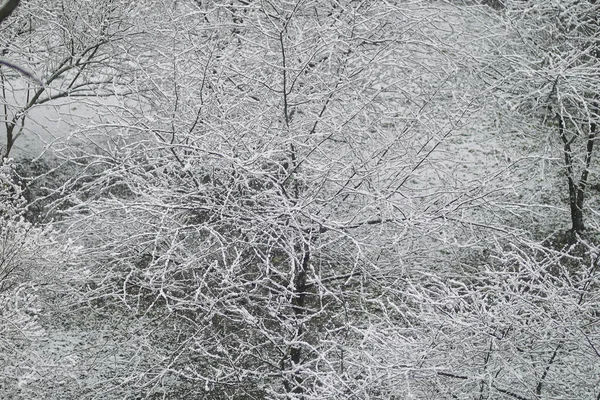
{"x": 577, "y": 189}
{"x": 299, "y": 308}
{"x": 577, "y": 216}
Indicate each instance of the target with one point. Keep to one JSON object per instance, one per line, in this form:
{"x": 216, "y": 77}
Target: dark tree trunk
{"x": 577, "y": 189}
{"x": 576, "y": 218}
{"x": 295, "y": 385}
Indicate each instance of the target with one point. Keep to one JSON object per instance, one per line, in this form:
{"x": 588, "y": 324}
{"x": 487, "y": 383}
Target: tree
{"x": 5, "y": 10}
{"x": 549, "y": 73}
{"x": 78, "y": 50}
{"x": 273, "y": 210}
{"x": 253, "y": 209}
{"x": 517, "y": 320}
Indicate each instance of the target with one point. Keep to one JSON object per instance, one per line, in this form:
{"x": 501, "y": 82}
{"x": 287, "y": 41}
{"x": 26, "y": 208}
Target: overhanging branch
{"x": 21, "y": 70}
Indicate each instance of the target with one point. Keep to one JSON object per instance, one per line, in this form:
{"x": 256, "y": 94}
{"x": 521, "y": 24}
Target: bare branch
{"x": 21, "y": 70}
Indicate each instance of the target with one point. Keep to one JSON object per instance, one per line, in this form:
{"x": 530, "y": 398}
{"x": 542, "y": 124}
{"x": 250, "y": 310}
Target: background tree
{"x": 76, "y": 48}
{"x": 549, "y": 73}
{"x": 5, "y": 10}
{"x": 515, "y": 319}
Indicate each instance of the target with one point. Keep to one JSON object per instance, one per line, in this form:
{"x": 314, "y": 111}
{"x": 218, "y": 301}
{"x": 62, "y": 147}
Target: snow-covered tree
{"x": 275, "y": 207}
{"x": 262, "y": 207}
{"x": 57, "y": 56}
{"x": 546, "y": 70}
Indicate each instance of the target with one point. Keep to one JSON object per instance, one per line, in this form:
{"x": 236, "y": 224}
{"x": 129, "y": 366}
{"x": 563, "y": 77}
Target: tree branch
{"x": 21, "y": 70}
{"x": 7, "y": 9}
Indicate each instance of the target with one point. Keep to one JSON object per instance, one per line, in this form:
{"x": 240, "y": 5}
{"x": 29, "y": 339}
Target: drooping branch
{"x": 21, "y": 70}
